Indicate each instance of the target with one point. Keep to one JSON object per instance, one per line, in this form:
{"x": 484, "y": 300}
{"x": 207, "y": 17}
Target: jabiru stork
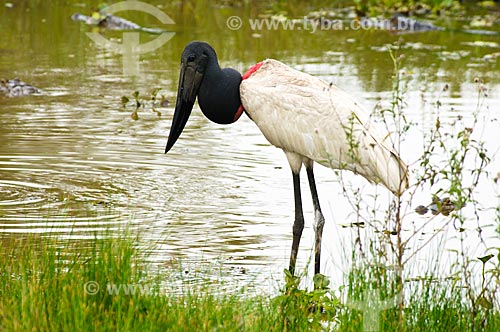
{"x": 308, "y": 118}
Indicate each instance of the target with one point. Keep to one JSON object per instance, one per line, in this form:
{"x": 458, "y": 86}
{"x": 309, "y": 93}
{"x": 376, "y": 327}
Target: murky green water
{"x": 73, "y": 161}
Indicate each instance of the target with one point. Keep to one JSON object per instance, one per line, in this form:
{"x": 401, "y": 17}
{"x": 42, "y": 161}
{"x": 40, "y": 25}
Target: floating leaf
{"x": 125, "y": 100}
{"x": 154, "y": 93}
{"x": 134, "y": 115}
{"x": 158, "y": 113}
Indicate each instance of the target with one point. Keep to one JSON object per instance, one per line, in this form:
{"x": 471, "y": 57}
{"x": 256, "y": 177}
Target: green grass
{"x": 42, "y": 288}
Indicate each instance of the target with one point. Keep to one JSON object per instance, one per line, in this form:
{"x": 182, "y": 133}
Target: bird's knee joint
{"x": 298, "y": 228}
{"x": 297, "y": 231}
{"x": 319, "y": 222}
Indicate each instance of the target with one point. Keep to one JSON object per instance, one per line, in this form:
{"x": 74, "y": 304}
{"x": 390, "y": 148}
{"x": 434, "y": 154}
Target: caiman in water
{"x": 16, "y": 88}
{"x": 112, "y": 22}
{"x": 398, "y": 23}
{"x": 401, "y": 23}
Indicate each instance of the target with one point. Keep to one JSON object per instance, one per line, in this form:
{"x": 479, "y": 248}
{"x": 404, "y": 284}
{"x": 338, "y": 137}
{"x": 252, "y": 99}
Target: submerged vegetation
{"x": 139, "y": 102}
{"x": 363, "y": 7}
{"x": 427, "y": 7}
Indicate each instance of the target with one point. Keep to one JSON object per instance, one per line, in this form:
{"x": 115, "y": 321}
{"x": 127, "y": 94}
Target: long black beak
{"x": 189, "y": 84}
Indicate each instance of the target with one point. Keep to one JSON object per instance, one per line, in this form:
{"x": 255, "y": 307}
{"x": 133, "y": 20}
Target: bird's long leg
{"x": 298, "y": 224}
{"x": 319, "y": 219}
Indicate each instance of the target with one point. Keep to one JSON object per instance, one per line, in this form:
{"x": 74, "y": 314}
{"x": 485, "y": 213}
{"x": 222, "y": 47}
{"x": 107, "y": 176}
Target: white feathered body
{"x": 311, "y": 119}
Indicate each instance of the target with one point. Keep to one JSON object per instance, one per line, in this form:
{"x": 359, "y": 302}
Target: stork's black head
{"x": 217, "y": 89}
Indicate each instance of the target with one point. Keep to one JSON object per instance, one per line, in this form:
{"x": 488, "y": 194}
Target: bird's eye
{"x": 191, "y": 58}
